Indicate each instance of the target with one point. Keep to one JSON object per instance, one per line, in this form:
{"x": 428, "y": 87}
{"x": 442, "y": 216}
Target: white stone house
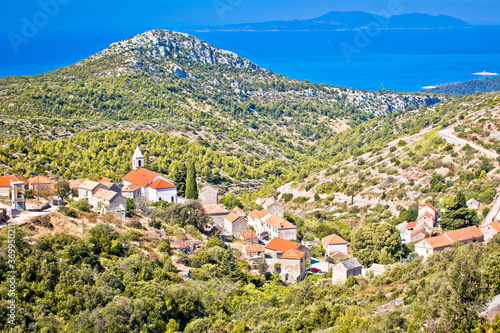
{"x": 88, "y": 188}
{"x": 268, "y": 225}
{"x": 109, "y": 201}
{"x": 490, "y": 230}
{"x": 272, "y": 206}
{"x": 431, "y": 245}
{"x": 334, "y": 243}
{"x": 235, "y": 225}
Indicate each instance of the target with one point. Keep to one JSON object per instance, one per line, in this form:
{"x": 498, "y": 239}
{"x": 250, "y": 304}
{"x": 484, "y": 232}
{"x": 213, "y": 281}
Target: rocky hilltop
{"x": 165, "y": 45}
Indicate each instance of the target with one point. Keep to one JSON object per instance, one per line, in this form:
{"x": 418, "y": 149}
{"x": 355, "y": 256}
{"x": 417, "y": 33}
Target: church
{"x": 154, "y": 187}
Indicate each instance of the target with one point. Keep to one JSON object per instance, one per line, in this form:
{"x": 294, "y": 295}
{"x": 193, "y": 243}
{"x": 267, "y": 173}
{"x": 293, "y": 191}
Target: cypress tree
{"x": 179, "y": 175}
{"x": 191, "y": 187}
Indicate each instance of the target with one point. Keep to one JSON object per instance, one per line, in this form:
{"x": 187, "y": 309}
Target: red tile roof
{"x": 279, "y": 222}
{"x": 495, "y": 225}
{"x": 464, "y": 234}
{"x": 414, "y": 232}
{"x": 259, "y": 214}
{"x": 140, "y": 176}
{"x": 438, "y": 241}
{"x": 105, "y": 194}
{"x": 254, "y": 248}
{"x": 293, "y": 254}
{"x": 248, "y": 235}
{"x": 428, "y": 205}
{"x": 75, "y": 182}
{"x": 41, "y": 180}
{"x": 161, "y": 184}
{"x": 5, "y": 180}
{"x": 239, "y": 211}
{"x": 231, "y": 217}
{"x": 334, "y": 239}
{"x": 281, "y": 245}
{"x": 212, "y": 209}
{"x": 411, "y": 225}
{"x": 131, "y": 187}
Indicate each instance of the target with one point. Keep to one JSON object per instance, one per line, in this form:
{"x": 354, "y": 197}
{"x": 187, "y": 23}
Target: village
{"x": 262, "y": 236}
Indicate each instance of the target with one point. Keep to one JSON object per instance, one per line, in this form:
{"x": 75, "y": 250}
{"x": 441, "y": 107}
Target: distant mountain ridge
{"x": 352, "y": 20}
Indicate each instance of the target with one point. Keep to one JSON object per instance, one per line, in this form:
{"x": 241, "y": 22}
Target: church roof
{"x": 140, "y": 176}
{"x": 137, "y": 153}
{"x": 161, "y": 184}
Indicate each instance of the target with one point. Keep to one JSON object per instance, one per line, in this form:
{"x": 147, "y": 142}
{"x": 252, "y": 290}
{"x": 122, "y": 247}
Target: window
{"x": 426, "y": 251}
{"x": 19, "y": 195}
{"x": 139, "y": 162}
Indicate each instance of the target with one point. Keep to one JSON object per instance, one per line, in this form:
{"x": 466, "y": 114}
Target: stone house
{"x": 109, "y": 201}
{"x": 293, "y": 266}
{"x": 473, "y": 204}
{"x": 234, "y": 225}
{"x": 131, "y": 191}
{"x": 254, "y": 252}
{"x": 430, "y": 245}
{"x": 88, "y": 188}
{"x": 334, "y": 243}
{"x": 249, "y": 237}
{"x": 490, "y": 230}
{"x": 268, "y": 225}
{"x": 5, "y": 184}
{"x": 41, "y": 183}
{"x": 272, "y": 206}
{"x": 279, "y": 246}
{"x": 208, "y": 195}
{"x": 344, "y": 269}
{"x": 217, "y": 212}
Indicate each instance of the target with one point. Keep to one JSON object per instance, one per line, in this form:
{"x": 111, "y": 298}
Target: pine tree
{"x": 191, "y": 187}
{"x": 179, "y": 175}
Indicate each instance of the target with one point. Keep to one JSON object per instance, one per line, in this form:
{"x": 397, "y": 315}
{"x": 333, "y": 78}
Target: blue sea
{"x": 393, "y": 59}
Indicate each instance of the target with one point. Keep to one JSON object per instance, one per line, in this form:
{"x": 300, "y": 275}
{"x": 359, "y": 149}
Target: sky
{"x": 74, "y": 15}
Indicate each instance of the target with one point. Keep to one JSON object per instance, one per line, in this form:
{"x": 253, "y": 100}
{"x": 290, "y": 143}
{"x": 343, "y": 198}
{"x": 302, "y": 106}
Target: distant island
{"x": 350, "y": 21}
{"x": 467, "y": 87}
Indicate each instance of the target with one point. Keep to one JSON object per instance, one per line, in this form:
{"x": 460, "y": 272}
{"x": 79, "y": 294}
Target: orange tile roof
{"x": 75, "y": 182}
{"x": 254, "y": 248}
{"x": 428, "y": 205}
{"x": 239, "y": 211}
{"x": 105, "y": 180}
{"x": 161, "y": 184}
{"x": 212, "y": 209}
{"x": 464, "y": 234}
{"x": 414, "y": 232}
{"x": 131, "y": 187}
{"x": 411, "y": 225}
{"x": 279, "y": 222}
{"x": 108, "y": 184}
{"x": 293, "y": 254}
{"x": 231, "y": 217}
{"x": 495, "y": 225}
{"x": 429, "y": 215}
{"x": 89, "y": 185}
{"x": 258, "y": 213}
{"x": 248, "y": 235}
{"x": 334, "y": 239}
{"x": 105, "y": 194}
{"x": 438, "y": 241}
{"x": 40, "y": 179}
{"x": 281, "y": 245}
{"x": 140, "y": 176}
{"x": 5, "y": 180}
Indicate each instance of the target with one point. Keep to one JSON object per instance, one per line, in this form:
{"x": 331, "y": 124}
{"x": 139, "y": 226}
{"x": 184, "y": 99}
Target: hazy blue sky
{"x": 74, "y": 15}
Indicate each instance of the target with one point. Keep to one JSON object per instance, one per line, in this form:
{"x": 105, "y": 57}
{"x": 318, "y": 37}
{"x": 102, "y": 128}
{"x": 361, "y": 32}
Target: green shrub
{"x": 82, "y": 205}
